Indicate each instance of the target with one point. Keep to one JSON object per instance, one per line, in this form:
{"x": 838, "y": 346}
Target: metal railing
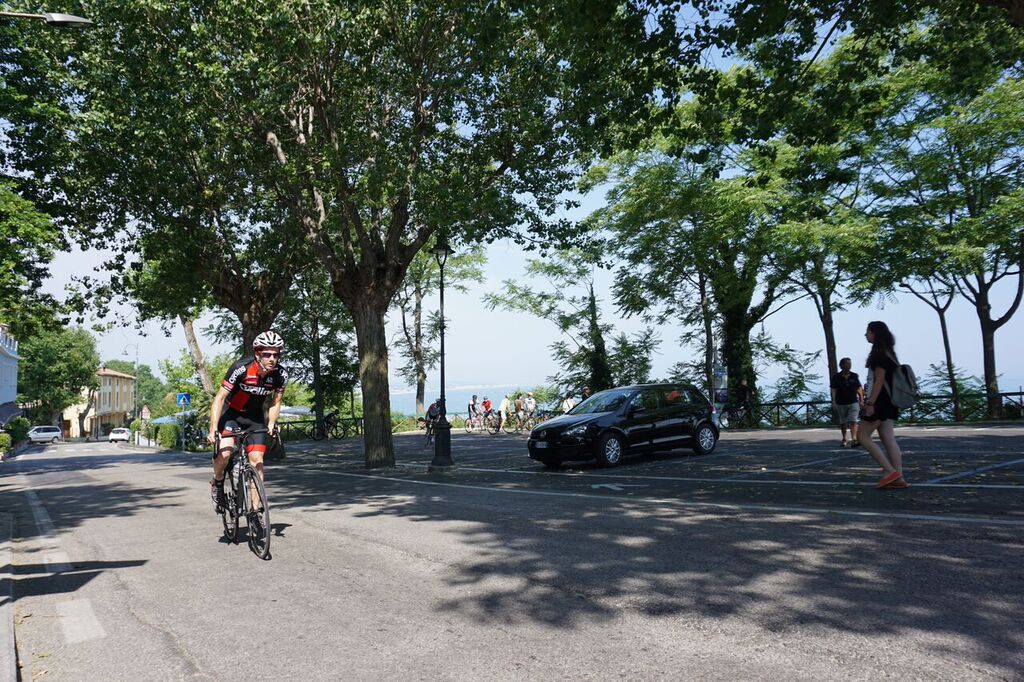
{"x": 300, "y": 429}
{"x": 930, "y": 409}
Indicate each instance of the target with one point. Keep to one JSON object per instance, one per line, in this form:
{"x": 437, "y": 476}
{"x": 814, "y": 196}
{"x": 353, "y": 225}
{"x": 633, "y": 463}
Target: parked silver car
{"x": 45, "y": 434}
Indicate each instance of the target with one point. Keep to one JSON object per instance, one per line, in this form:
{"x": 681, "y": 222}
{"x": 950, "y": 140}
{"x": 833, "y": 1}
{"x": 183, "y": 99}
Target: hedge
{"x": 5, "y": 442}
{"x": 167, "y": 436}
{"x": 18, "y": 428}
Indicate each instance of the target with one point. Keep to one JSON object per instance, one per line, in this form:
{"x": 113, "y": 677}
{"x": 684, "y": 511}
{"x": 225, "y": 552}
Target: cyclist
{"x": 244, "y": 389}
{"x": 487, "y": 406}
{"x": 473, "y": 410}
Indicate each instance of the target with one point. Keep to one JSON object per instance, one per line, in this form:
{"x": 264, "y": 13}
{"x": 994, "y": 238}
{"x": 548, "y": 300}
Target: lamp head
{"x": 66, "y": 20}
{"x": 441, "y": 249}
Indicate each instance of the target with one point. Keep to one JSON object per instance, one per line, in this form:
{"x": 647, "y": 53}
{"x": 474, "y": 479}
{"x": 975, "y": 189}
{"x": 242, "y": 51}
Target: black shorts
{"x": 231, "y": 424}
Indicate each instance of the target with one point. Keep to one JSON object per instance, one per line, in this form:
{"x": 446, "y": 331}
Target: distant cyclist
{"x": 473, "y": 410}
{"x": 245, "y": 387}
{"x": 487, "y": 406}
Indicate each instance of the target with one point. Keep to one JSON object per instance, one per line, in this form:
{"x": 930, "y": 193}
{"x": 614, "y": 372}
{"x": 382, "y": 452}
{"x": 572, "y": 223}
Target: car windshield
{"x": 605, "y": 401}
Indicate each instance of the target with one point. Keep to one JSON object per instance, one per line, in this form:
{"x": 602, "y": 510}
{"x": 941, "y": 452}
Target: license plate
{"x": 540, "y": 445}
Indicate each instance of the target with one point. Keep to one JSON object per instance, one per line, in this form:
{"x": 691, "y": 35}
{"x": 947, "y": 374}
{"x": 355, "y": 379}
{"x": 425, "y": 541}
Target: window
{"x": 647, "y": 399}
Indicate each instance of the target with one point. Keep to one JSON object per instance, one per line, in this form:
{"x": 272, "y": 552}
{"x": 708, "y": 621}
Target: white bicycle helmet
{"x": 268, "y": 339}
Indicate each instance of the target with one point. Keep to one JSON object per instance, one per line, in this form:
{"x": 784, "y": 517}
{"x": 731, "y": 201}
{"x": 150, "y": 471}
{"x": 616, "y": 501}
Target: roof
{"x": 104, "y": 372}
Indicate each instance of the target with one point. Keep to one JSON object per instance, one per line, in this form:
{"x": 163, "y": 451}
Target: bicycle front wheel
{"x": 257, "y": 514}
{"x": 509, "y": 426}
{"x": 230, "y": 513}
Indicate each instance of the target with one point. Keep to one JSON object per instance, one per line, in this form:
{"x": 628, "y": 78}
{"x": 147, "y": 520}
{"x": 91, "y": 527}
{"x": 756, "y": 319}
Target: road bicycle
{"x": 429, "y": 424}
{"x": 245, "y": 497}
{"x": 328, "y": 428}
{"x": 474, "y": 422}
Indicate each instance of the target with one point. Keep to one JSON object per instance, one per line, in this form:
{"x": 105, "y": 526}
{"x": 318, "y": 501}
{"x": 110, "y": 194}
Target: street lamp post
{"x": 443, "y": 430}
{"x": 135, "y": 385}
{"x": 52, "y": 19}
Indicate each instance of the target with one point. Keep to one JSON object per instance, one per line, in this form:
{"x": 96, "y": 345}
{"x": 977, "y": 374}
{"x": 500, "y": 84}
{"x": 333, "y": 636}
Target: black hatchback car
{"x": 612, "y": 423}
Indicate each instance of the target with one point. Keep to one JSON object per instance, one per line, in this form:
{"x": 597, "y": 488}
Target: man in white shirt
{"x": 503, "y": 409}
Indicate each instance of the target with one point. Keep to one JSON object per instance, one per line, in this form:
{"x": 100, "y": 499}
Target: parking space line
{"x": 740, "y": 477}
{"x": 695, "y": 479}
{"x": 956, "y": 520}
{"x": 972, "y": 472}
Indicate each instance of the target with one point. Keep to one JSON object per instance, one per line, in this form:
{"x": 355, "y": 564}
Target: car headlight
{"x": 577, "y": 430}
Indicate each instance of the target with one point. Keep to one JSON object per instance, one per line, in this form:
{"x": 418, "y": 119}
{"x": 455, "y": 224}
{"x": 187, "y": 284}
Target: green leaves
{"x": 56, "y": 365}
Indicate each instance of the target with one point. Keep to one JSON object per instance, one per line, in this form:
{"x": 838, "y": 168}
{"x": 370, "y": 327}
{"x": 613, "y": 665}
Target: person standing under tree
{"x": 879, "y": 411}
{"x": 847, "y": 394}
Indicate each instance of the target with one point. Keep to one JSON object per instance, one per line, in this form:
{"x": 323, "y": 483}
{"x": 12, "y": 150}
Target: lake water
{"x": 457, "y": 398}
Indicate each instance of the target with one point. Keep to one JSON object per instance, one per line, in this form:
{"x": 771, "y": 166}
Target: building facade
{"x": 111, "y": 405}
{"x": 8, "y": 376}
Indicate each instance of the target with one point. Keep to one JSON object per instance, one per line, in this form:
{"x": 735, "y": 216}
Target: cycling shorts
{"x": 231, "y": 424}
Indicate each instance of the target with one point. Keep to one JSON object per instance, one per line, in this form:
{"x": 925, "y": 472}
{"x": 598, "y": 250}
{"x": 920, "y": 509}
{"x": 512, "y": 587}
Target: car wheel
{"x": 55, "y": 439}
{"x": 610, "y": 448}
{"x": 704, "y": 440}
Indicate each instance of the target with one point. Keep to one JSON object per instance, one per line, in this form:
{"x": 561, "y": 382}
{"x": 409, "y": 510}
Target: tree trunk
{"x": 89, "y": 403}
{"x": 983, "y": 308}
{"x": 828, "y": 327}
{"x": 958, "y": 414}
{"x": 417, "y": 350}
{"x": 197, "y": 354}
{"x": 318, "y": 390}
{"x": 600, "y": 372}
{"x": 373, "y": 378}
{"x": 736, "y": 350}
{"x": 988, "y": 347}
{"x": 709, "y": 336}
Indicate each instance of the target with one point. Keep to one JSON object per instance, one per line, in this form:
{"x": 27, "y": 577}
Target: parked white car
{"x": 45, "y": 434}
{"x": 120, "y": 434}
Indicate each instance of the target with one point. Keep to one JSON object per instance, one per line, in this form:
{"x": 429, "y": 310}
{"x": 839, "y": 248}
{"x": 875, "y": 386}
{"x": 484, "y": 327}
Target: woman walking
{"x": 879, "y": 412}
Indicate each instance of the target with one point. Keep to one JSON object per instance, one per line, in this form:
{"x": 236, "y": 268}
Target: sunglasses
{"x": 269, "y": 354}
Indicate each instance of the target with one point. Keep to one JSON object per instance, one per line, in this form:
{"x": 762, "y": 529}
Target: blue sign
{"x": 184, "y": 399}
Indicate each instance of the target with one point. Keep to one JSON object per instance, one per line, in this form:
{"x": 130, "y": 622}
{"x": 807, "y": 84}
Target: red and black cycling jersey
{"x": 247, "y": 390}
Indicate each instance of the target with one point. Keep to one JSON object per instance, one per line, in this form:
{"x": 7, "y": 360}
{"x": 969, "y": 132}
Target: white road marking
{"x": 971, "y": 472}
{"x": 78, "y": 621}
{"x": 739, "y": 477}
{"x": 754, "y": 481}
{"x": 48, "y": 540}
{"x": 979, "y": 520}
{"x": 9, "y": 673}
{"x": 617, "y": 487}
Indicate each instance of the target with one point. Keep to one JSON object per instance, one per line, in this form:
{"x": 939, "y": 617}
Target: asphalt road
{"x": 773, "y": 557}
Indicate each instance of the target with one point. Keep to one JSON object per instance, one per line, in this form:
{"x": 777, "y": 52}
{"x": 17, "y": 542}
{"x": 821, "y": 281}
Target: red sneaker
{"x": 888, "y": 479}
{"x": 898, "y": 483}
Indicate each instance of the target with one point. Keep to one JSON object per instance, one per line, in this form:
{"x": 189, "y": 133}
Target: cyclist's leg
{"x": 225, "y": 444}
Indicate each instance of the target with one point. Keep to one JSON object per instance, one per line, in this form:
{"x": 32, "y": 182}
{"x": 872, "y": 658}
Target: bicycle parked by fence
{"x": 245, "y": 497}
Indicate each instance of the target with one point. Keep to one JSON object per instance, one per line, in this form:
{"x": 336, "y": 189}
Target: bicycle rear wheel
{"x": 257, "y": 515}
{"x": 510, "y": 425}
{"x": 230, "y": 514}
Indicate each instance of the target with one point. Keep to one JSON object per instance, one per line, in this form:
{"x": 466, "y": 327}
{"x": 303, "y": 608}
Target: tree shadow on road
{"x": 566, "y": 561}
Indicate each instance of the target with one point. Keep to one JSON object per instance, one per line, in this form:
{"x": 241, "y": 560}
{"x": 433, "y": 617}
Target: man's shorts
{"x": 848, "y": 414}
{"x": 229, "y": 425}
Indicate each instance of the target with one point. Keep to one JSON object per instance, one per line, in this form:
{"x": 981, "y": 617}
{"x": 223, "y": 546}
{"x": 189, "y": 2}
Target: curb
{"x": 8, "y": 652}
